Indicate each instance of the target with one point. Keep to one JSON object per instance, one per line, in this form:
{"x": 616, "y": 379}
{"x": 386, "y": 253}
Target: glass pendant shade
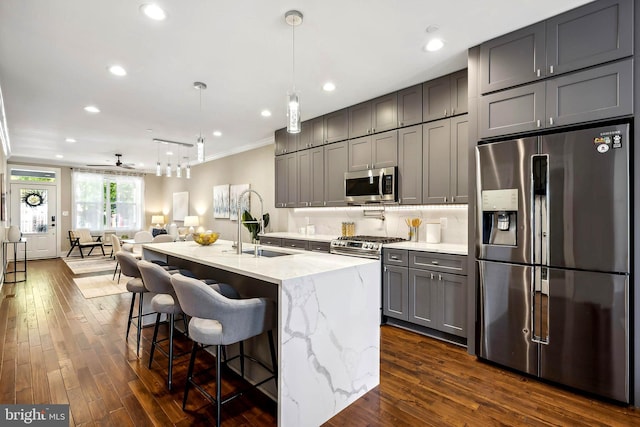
{"x": 169, "y": 170}
{"x": 200, "y": 147}
{"x": 293, "y": 113}
{"x": 158, "y": 169}
{"x": 188, "y": 172}
{"x": 178, "y": 171}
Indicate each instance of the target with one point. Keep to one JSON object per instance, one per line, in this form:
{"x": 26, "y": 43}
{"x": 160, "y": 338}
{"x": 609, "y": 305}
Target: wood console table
{"x": 13, "y": 273}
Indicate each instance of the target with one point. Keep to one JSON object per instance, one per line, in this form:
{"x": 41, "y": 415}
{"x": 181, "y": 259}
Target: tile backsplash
{"x": 368, "y": 221}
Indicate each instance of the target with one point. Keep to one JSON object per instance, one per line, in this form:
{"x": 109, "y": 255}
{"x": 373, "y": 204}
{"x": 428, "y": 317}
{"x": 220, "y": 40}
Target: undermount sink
{"x": 265, "y": 253}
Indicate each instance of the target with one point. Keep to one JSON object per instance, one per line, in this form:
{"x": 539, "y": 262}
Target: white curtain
{"x": 103, "y": 201}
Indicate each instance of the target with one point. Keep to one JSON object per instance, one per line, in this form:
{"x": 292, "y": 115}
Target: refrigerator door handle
{"x": 540, "y": 305}
{"x": 540, "y": 207}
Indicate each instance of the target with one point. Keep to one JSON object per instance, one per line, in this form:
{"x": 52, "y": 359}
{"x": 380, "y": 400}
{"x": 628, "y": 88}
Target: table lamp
{"x": 191, "y": 222}
{"x": 157, "y": 219}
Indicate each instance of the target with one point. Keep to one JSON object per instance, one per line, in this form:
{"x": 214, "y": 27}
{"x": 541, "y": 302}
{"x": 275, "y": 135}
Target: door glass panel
{"x": 34, "y": 211}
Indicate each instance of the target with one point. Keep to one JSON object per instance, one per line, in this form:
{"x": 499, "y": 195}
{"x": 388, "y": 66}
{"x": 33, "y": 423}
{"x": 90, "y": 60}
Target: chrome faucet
{"x": 240, "y": 221}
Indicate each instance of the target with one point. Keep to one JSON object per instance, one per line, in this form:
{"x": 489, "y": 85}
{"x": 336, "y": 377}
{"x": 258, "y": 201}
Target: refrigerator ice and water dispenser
{"x": 499, "y": 217}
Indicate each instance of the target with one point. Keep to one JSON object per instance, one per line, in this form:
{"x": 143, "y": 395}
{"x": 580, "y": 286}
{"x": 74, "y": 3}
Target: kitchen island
{"x": 328, "y": 333}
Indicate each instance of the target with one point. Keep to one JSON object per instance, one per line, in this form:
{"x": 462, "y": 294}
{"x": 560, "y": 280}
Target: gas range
{"x": 361, "y": 246}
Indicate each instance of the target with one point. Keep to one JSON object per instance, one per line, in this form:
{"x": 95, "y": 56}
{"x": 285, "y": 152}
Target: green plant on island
{"x": 252, "y": 225}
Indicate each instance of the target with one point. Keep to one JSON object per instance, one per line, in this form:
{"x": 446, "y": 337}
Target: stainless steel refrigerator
{"x": 553, "y": 257}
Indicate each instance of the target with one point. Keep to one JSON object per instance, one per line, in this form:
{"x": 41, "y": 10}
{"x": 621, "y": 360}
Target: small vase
{"x": 14, "y": 234}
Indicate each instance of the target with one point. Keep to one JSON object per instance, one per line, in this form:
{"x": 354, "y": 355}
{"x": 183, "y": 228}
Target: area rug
{"x": 99, "y": 286}
{"x": 91, "y": 264}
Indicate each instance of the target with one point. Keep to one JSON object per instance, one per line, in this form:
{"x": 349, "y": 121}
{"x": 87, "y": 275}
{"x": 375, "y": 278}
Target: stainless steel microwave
{"x": 371, "y": 186}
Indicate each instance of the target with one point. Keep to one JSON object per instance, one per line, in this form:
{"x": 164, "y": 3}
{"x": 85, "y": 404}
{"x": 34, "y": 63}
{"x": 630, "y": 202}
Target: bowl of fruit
{"x": 206, "y": 238}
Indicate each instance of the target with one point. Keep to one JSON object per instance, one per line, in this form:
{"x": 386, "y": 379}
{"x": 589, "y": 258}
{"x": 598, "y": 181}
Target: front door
{"x": 33, "y": 209}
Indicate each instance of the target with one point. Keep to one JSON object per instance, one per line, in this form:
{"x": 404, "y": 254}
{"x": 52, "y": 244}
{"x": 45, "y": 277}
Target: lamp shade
{"x": 191, "y": 221}
{"x": 157, "y": 219}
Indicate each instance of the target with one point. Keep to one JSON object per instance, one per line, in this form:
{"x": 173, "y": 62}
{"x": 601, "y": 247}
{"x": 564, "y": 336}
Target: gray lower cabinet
{"x": 445, "y": 161}
{"x": 426, "y": 289}
{"x": 286, "y": 181}
{"x": 446, "y": 96}
{"x": 271, "y": 241}
{"x": 311, "y": 177}
{"x": 562, "y": 44}
{"x": 410, "y": 106}
{"x": 295, "y": 244}
{"x": 374, "y": 151}
{"x": 593, "y": 94}
{"x": 308, "y": 245}
{"x": 336, "y": 163}
{"x": 319, "y": 246}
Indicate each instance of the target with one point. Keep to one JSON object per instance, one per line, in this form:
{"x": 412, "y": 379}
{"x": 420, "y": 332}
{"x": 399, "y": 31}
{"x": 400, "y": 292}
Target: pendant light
{"x": 293, "y": 18}
{"x": 178, "y": 168}
{"x": 158, "y": 167}
{"x": 200, "y": 143}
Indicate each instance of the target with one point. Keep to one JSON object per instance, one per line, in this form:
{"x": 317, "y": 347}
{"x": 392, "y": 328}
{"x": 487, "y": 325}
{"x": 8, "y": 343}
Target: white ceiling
{"x": 54, "y": 57}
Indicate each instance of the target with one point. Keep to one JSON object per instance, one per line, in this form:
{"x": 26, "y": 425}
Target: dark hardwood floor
{"x": 58, "y": 347}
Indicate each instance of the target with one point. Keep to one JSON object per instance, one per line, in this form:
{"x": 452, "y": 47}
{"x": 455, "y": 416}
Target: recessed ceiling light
{"x": 117, "y": 70}
{"x": 153, "y": 11}
{"x": 434, "y": 44}
{"x": 265, "y": 113}
{"x": 91, "y": 109}
{"x": 329, "y": 87}
{"x": 59, "y": 156}
{"x": 217, "y": 133}
{"x": 70, "y": 140}
{"x": 169, "y": 153}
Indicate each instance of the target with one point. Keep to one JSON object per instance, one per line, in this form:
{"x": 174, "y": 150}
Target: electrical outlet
{"x": 443, "y": 223}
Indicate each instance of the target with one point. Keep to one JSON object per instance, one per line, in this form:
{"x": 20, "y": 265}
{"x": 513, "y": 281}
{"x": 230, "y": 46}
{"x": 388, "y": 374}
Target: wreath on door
{"x": 33, "y": 199}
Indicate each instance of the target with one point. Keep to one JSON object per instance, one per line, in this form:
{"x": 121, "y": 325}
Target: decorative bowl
{"x": 205, "y": 239}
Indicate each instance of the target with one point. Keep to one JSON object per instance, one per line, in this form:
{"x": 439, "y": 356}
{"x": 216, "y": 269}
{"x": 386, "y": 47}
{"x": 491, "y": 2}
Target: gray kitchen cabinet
{"x": 374, "y": 151}
{"x": 593, "y": 94}
{"x": 375, "y": 116}
{"x": 336, "y": 163}
{"x": 436, "y": 161}
{"x": 410, "y": 106}
{"x": 445, "y": 161}
{"x": 410, "y": 165}
{"x": 311, "y": 134}
{"x": 459, "y": 173}
{"x": 336, "y": 126}
{"x": 280, "y": 138}
{"x": 319, "y": 246}
{"x": 426, "y": 289}
{"x": 295, "y": 244}
{"x": 286, "y": 181}
{"x": 445, "y": 96}
{"x": 271, "y": 241}
{"x": 311, "y": 177}
{"x": 593, "y": 34}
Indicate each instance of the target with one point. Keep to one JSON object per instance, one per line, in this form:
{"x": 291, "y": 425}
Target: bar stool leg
{"x": 274, "y": 361}
{"x": 189, "y": 374}
{"x": 133, "y": 302}
{"x": 242, "y": 358}
{"x": 153, "y": 341}
{"x": 171, "y": 326}
{"x": 140, "y": 300}
{"x": 218, "y": 386}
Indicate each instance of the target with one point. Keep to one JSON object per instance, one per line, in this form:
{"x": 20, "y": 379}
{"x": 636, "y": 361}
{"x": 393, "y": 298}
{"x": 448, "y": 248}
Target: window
{"x": 104, "y": 201}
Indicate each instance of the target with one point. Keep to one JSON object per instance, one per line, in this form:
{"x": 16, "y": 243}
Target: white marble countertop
{"x": 445, "y": 248}
{"x": 298, "y": 236}
{"x": 222, "y": 255}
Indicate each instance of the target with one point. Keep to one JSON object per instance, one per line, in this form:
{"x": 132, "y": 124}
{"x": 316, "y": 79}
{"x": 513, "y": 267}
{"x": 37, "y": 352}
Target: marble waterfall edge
{"x": 330, "y": 343}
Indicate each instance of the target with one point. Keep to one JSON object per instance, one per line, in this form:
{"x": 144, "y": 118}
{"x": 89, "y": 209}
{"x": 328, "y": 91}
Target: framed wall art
{"x": 221, "y": 201}
{"x": 234, "y": 193}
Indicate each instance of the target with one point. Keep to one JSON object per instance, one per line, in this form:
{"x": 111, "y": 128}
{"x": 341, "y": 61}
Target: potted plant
{"x": 253, "y": 226}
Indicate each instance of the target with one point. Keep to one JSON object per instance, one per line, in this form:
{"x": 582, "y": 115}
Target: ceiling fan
{"x": 118, "y": 163}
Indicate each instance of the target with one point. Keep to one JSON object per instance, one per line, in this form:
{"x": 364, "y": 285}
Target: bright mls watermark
{"x": 38, "y": 415}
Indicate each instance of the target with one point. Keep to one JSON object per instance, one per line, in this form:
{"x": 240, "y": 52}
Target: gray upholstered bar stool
{"x": 129, "y": 267}
{"x": 218, "y": 320}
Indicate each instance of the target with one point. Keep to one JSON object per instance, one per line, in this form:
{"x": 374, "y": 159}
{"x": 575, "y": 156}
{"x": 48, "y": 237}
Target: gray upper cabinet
{"x": 280, "y": 136}
{"x": 598, "y": 32}
{"x": 312, "y": 133}
{"x": 375, "y": 151}
{"x": 377, "y": 115}
{"x": 436, "y": 160}
{"x": 286, "y": 181}
{"x": 410, "y": 165}
{"x": 592, "y": 34}
{"x": 445, "y": 96}
{"x": 336, "y": 163}
{"x": 304, "y": 137}
{"x": 513, "y": 59}
{"x": 593, "y": 94}
{"x": 410, "y": 106}
{"x": 459, "y": 186}
{"x": 336, "y": 126}
{"x": 512, "y": 111}
{"x": 311, "y": 177}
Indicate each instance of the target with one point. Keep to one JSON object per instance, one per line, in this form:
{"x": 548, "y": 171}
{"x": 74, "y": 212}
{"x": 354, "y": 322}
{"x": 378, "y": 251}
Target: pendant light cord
{"x": 293, "y": 54}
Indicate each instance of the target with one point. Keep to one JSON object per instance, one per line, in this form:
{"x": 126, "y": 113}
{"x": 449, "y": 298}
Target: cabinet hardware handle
{"x": 550, "y": 69}
{"x": 439, "y": 276}
{"x": 373, "y": 130}
{"x": 435, "y": 262}
{"x": 401, "y": 123}
{"x": 453, "y": 199}
{"x": 431, "y": 276}
{"x": 445, "y": 112}
{"x": 445, "y": 199}
{"x": 394, "y": 257}
{"x": 538, "y": 123}
{"x": 551, "y": 121}
{"x": 538, "y": 72}
{"x": 453, "y": 111}
{"x": 385, "y": 268}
